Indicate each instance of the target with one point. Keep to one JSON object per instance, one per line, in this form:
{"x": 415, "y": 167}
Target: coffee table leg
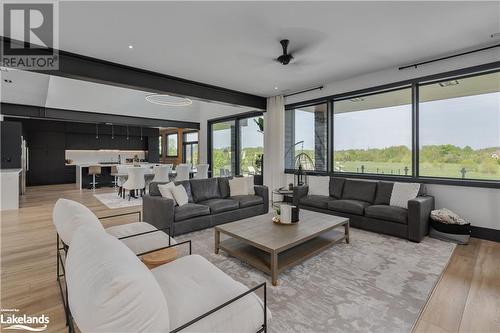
{"x": 274, "y": 268}
{"x": 346, "y": 226}
{"x": 217, "y": 241}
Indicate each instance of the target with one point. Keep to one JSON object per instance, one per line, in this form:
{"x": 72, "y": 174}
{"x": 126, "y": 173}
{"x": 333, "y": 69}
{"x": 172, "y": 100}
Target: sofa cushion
{"x": 238, "y": 186}
{"x": 348, "y": 206}
{"x": 190, "y": 210}
{"x": 204, "y": 189}
{"x": 180, "y": 195}
{"x": 384, "y": 191}
{"x": 224, "y": 187}
{"x": 153, "y": 188}
{"x": 402, "y": 192}
{"x": 318, "y": 185}
{"x": 336, "y": 186}
{"x": 141, "y": 243}
{"x": 195, "y": 286}
{"x": 110, "y": 289}
{"x": 389, "y": 213}
{"x": 69, "y": 215}
{"x": 359, "y": 190}
{"x": 187, "y": 186}
{"x": 220, "y": 205}
{"x": 248, "y": 200}
{"x": 318, "y": 201}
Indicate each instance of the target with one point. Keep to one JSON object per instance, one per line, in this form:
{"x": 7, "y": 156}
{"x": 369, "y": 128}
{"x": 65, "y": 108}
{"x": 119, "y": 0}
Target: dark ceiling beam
{"x": 40, "y": 112}
{"x": 85, "y": 68}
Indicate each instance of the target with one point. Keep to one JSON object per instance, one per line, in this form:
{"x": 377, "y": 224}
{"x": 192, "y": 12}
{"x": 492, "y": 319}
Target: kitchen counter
{"x": 80, "y": 167}
{"x": 9, "y": 180}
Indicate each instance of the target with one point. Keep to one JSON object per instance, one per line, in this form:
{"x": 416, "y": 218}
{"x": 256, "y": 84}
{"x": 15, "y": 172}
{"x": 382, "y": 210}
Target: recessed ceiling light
{"x": 7, "y": 81}
{"x": 357, "y": 99}
{"x": 275, "y": 88}
{"x": 495, "y": 35}
{"x": 448, "y": 83}
{"x": 168, "y": 100}
{"x": 131, "y": 46}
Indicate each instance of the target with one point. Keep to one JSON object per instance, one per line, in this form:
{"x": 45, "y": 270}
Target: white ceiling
{"x": 232, "y": 44}
{"x": 36, "y": 89}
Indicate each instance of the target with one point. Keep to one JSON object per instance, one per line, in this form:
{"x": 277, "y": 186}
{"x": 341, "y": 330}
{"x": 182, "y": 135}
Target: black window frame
{"x": 186, "y": 143}
{"x": 236, "y": 119}
{"x": 167, "y": 135}
{"x": 415, "y": 83}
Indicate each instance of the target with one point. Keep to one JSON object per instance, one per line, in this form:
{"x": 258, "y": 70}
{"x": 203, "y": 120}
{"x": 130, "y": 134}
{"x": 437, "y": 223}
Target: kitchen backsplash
{"x": 95, "y": 156}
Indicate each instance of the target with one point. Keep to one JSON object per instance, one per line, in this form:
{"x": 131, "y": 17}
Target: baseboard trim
{"x": 485, "y": 233}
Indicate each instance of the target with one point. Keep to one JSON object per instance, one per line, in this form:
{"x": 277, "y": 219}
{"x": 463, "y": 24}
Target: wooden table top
{"x": 261, "y": 232}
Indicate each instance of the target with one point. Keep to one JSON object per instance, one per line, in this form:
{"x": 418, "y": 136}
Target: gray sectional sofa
{"x": 209, "y": 204}
{"x": 366, "y": 203}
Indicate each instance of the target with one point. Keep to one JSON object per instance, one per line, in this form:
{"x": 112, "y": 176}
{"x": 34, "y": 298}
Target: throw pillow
{"x": 238, "y": 186}
{"x": 319, "y": 185}
{"x": 180, "y": 195}
{"x": 250, "y": 184}
{"x": 166, "y": 190}
{"x": 402, "y": 192}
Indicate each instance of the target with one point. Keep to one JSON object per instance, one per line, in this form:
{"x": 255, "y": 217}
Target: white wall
{"x": 481, "y": 206}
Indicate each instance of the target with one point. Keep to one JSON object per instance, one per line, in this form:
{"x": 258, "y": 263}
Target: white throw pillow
{"x": 250, "y": 185}
{"x": 238, "y": 186}
{"x": 402, "y": 192}
{"x": 69, "y": 215}
{"x": 166, "y": 190}
{"x": 180, "y": 195}
{"x": 110, "y": 289}
{"x": 319, "y": 185}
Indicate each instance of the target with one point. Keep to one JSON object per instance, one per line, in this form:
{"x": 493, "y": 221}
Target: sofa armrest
{"x": 158, "y": 211}
{"x": 298, "y": 193}
{"x": 419, "y": 210}
{"x": 263, "y": 191}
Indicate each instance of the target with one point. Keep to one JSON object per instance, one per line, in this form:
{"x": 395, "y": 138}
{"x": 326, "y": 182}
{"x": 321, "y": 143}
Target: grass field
{"x": 448, "y": 170}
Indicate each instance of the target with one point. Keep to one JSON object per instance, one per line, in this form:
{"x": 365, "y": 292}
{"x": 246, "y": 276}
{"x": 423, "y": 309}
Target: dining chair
{"x": 202, "y": 171}
{"x": 182, "y": 172}
{"x": 135, "y": 181}
{"x": 121, "y": 170}
{"x": 162, "y": 173}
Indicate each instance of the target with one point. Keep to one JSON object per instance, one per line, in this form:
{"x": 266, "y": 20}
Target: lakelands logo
{"x": 32, "y": 39}
{"x": 11, "y": 319}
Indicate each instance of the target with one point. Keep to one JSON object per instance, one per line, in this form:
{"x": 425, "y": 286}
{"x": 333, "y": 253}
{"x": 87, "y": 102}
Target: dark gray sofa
{"x": 366, "y": 204}
{"x": 209, "y": 204}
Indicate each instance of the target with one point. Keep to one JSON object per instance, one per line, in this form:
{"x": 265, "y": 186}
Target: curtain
{"x": 274, "y": 124}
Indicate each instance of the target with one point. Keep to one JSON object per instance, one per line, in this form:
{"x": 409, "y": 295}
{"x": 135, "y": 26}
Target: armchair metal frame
{"x": 61, "y": 246}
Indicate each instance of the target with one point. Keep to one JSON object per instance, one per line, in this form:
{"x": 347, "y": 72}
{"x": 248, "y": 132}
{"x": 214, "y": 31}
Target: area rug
{"x": 112, "y": 200}
{"x": 376, "y": 283}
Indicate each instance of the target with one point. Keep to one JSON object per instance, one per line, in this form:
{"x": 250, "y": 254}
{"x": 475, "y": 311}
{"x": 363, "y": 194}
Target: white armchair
{"x": 201, "y": 171}
{"x": 135, "y": 181}
{"x": 162, "y": 173}
{"x": 182, "y": 172}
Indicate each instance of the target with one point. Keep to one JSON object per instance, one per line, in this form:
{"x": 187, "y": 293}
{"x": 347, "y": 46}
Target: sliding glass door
{"x": 190, "y": 148}
{"x": 223, "y": 139}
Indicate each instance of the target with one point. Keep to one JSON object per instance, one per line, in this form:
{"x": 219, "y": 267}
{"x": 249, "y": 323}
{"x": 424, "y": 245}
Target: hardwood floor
{"x": 466, "y": 299}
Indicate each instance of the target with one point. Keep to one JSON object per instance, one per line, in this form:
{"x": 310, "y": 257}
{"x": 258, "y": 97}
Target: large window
{"x": 172, "y": 145}
{"x": 223, "y": 148}
{"x": 443, "y": 129}
{"x": 373, "y": 133}
{"x": 306, "y": 138}
{"x": 251, "y": 145}
{"x": 459, "y": 127}
{"x": 190, "y": 144}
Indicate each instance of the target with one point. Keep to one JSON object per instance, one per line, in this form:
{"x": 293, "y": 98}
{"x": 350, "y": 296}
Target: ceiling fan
{"x": 286, "y": 57}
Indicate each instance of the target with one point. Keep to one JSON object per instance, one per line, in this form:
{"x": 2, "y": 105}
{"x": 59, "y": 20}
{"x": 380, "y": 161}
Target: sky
{"x": 461, "y": 121}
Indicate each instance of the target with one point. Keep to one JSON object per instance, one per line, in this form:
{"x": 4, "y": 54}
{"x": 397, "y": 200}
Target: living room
{"x": 269, "y": 166}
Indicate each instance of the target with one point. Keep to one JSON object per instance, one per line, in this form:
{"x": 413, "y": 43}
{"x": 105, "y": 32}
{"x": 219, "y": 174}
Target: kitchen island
{"x": 83, "y": 179}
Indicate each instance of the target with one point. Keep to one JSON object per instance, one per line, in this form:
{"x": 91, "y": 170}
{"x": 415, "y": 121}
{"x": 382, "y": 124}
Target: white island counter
{"x": 9, "y": 182}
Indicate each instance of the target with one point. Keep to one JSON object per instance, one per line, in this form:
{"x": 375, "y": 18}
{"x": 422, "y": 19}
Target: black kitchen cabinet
{"x": 46, "y": 166}
{"x": 11, "y": 145}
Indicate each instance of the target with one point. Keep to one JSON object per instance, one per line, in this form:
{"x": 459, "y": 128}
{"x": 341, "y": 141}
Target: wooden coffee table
{"x": 273, "y": 248}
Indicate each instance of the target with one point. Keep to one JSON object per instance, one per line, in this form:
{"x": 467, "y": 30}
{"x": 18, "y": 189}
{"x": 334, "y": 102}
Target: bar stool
{"x": 94, "y": 171}
{"x": 114, "y": 171}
